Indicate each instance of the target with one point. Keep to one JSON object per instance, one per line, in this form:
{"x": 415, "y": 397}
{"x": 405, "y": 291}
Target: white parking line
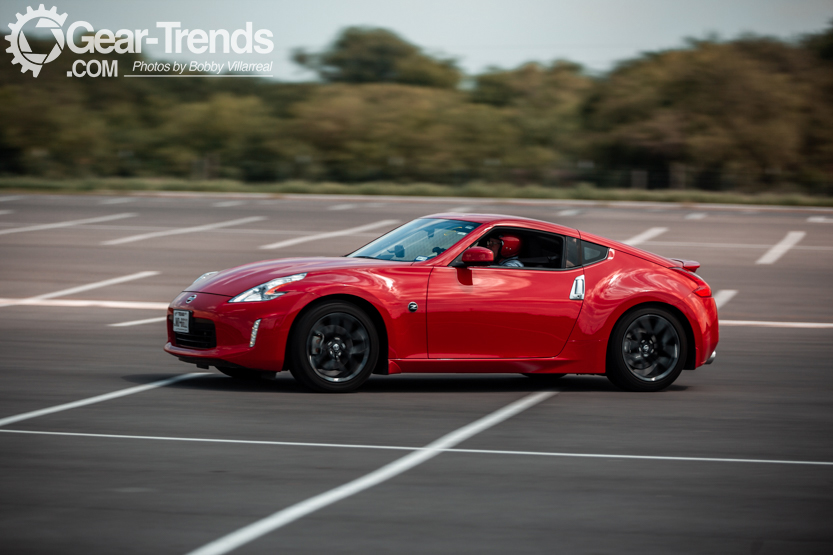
{"x": 695, "y": 216}
{"x": 568, "y": 213}
{"x": 460, "y": 209}
{"x": 342, "y": 207}
{"x": 328, "y": 235}
{"x": 7, "y": 199}
{"x": 402, "y": 448}
{"x": 724, "y": 296}
{"x": 4, "y": 212}
{"x": 182, "y": 230}
{"x": 290, "y": 514}
{"x": 66, "y": 224}
{"x": 760, "y": 324}
{"x": 777, "y": 251}
{"x": 229, "y": 203}
{"x": 98, "y": 398}
{"x": 81, "y": 288}
{"x": 120, "y": 200}
{"x": 214, "y": 440}
{"x": 78, "y": 303}
{"x": 641, "y": 457}
{"x": 820, "y": 220}
{"x": 139, "y": 322}
{"x": 646, "y": 235}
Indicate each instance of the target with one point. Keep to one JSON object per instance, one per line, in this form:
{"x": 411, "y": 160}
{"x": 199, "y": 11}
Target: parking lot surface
{"x": 108, "y": 444}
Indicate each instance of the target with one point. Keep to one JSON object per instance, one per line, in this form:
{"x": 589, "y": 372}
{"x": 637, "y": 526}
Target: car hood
{"x": 234, "y": 281}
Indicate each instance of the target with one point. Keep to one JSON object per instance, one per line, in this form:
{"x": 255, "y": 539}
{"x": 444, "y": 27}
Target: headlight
{"x": 267, "y": 291}
{"x": 199, "y": 279}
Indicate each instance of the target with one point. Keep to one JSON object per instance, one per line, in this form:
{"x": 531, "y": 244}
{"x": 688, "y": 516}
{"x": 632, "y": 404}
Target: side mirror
{"x": 478, "y": 256}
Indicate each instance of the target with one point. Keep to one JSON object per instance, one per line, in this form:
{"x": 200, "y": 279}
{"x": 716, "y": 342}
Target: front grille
{"x": 202, "y": 335}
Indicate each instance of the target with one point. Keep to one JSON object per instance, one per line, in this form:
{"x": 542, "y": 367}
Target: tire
{"x": 334, "y": 348}
{"x": 245, "y": 374}
{"x": 647, "y": 350}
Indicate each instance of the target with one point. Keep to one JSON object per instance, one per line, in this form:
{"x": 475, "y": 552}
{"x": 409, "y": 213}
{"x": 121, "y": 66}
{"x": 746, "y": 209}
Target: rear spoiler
{"x": 690, "y": 265}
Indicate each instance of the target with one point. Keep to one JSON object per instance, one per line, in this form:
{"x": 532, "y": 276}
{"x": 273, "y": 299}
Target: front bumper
{"x": 232, "y": 328}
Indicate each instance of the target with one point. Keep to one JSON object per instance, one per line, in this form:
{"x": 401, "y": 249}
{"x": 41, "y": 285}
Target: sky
{"x": 477, "y": 33}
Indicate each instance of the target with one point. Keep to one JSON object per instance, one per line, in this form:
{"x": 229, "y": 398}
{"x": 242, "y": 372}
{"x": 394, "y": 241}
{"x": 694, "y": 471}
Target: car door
{"x": 500, "y": 312}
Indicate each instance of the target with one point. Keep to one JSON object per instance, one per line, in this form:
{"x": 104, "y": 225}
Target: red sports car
{"x": 458, "y": 293}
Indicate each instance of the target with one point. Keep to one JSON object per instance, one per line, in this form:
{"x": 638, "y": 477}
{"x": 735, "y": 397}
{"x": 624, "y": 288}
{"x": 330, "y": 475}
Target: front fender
{"x": 389, "y": 291}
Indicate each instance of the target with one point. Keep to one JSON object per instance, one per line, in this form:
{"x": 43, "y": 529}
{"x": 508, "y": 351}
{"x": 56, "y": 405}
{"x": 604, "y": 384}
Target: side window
{"x": 591, "y": 252}
{"x": 537, "y": 249}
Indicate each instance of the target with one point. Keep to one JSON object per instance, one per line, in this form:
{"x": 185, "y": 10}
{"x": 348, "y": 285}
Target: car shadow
{"x": 401, "y": 383}
{"x": 477, "y": 383}
{"x": 462, "y": 383}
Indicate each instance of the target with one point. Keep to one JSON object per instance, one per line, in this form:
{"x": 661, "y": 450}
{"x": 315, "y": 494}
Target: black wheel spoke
{"x": 318, "y": 359}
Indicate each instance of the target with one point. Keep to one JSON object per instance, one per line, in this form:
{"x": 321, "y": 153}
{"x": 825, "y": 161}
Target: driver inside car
{"x": 506, "y": 249}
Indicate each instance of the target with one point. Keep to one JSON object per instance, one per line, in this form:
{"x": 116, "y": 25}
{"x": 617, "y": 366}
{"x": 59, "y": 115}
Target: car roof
{"x": 503, "y": 219}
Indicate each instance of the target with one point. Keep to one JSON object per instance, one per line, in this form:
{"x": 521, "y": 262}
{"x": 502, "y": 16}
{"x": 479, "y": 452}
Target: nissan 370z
{"x": 454, "y": 293}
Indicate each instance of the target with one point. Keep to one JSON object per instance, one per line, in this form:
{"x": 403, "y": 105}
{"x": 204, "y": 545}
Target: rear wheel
{"x": 334, "y": 348}
{"x": 647, "y": 350}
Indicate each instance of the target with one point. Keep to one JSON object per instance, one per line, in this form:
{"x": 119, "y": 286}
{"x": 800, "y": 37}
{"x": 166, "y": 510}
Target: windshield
{"x": 417, "y": 240}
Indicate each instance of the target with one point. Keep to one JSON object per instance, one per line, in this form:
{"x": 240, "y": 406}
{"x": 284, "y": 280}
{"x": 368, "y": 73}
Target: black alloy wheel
{"x": 334, "y": 348}
{"x": 647, "y": 350}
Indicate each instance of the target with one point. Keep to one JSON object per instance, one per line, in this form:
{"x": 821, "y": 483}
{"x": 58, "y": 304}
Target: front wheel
{"x": 647, "y": 350}
{"x": 334, "y": 348}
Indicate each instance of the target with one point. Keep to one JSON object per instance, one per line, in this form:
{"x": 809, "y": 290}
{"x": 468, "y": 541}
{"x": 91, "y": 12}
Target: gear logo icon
{"x": 19, "y": 46}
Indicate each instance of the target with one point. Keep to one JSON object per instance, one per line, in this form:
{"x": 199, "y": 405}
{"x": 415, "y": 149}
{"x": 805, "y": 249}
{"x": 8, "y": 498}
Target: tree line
{"x": 754, "y": 113}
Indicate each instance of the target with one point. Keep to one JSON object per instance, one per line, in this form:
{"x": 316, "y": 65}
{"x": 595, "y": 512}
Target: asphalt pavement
{"x": 735, "y": 457}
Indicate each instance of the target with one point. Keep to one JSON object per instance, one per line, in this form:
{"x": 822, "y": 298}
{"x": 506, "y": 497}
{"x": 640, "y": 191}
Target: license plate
{"x": 181, "y": 321}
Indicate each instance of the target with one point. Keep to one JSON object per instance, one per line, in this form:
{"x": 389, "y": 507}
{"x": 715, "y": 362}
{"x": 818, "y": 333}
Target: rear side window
{"x": 591, "y": 252}
{"x": 571, "y": 257}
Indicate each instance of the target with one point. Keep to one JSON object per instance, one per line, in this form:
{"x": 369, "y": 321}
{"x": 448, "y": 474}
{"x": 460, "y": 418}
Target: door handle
{"x": 577, "y": 292}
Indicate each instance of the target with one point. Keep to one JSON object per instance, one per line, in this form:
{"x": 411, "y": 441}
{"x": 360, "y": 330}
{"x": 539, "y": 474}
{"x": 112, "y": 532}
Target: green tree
{"x": 390, "y": 131}
{"x": 544, "y": 102}
{"x": 372, "y": 55}
{"x": 212, "y": 138}
{"x": 821, "y": 43}
{"x": 736, "y": 109}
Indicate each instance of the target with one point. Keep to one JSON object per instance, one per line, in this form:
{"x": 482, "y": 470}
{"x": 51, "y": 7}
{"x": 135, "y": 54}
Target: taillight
{"x": 702, "y": 289}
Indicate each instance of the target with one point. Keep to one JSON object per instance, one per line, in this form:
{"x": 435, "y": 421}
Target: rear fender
{"x": 619, "y": 284}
